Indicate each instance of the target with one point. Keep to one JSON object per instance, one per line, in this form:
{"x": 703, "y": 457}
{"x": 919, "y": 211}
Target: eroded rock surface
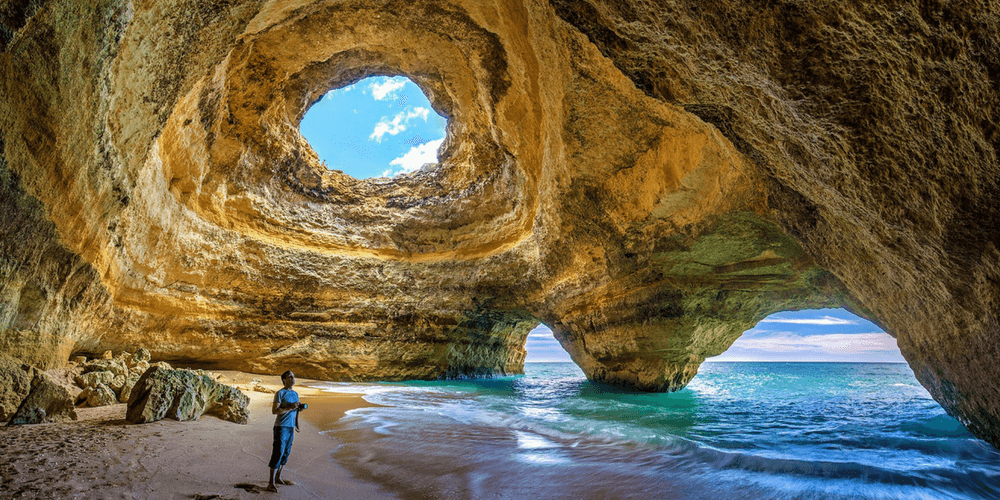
{"x": 47, "y": 402}
{"x": 184, "y": 395}
{"x": 648, "y": 180}
{"x": 99, "y": 394}
{"x": 15, "y": 384}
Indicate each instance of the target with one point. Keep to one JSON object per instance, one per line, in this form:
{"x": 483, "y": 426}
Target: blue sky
{"x": 542, "y": 347}
{"x": 808, "y": 335}
{"x": 378, "y": 127}
{"x": 814, "y": 335}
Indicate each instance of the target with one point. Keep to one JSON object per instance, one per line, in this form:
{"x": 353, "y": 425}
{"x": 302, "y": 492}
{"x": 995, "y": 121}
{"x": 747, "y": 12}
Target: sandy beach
{"x": 101, "y": 456}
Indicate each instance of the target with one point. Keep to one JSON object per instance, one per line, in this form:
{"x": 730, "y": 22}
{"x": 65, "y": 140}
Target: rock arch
{"x": 650, "y": 183}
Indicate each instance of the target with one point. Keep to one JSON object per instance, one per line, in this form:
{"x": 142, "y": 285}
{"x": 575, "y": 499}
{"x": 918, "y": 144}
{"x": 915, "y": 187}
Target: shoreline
{"x": 102, "y": 456}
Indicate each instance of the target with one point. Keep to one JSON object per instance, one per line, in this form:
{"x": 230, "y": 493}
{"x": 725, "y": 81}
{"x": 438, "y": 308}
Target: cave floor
{"x": 102, "y": 456}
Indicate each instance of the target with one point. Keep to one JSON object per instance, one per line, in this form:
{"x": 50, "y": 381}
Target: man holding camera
{"x": 286, "y": 406}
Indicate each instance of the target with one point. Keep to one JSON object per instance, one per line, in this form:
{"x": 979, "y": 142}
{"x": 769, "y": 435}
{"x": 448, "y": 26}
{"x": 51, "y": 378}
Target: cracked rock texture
{"x": 648, "y": 179}
{"x": 182, "y": 395}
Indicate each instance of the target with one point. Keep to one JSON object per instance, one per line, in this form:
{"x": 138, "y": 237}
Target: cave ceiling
{"x": 648, "y": 181}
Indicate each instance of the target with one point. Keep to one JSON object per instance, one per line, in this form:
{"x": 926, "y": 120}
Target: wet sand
{"x": 101, "y": 456}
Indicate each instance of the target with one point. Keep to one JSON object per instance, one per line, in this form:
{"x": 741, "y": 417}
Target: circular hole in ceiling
{"x": 378, "y": 127}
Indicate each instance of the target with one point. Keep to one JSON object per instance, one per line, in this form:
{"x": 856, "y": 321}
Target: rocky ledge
{"x": 649, "y": 181}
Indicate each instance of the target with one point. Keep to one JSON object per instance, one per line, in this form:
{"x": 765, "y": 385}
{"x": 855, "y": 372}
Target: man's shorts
{"x": 282, "y": 446}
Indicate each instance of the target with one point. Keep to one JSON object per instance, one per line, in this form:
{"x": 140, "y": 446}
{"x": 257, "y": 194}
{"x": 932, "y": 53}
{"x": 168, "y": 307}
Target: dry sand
{"x": 101, "y": 456}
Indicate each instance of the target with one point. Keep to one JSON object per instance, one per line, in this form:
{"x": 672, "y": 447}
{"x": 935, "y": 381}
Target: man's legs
{"x": 286, "y": 450}
{"x": 270, "y": 482}
{"x": 279, "y": 455}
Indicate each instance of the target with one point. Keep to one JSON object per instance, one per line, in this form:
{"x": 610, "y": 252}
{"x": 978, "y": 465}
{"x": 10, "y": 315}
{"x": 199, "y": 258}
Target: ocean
{"x": 738, "y": 431}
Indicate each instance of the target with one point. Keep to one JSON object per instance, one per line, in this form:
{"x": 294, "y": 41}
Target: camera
{"x": 303, "y": 406}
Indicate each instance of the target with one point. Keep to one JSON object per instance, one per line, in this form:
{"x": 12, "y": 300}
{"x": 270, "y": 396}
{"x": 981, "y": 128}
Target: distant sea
{"x": 738, "y": 431}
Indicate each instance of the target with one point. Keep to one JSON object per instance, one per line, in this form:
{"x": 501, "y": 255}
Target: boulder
{"x": 107, "y": 355}
{"x": 66, "y": 377}
{"x": 92, "y": 379}
{"x": 118, "y": 383}
{"x": 99, "y": 395}
{"x": 114, "y": 365}
{"x": 47, "y": 402}
{"x": 255, "y": 385}
{"x": 138, "y": 368}
{"x": 127, "y": 387}
{"x": 162, "y": 364}
{"x": 140, "y": 356}
{"x": 15, "y": 384}
{"x": 212, "y": 375}
{"x": 80, "y": 360}
{"x": 184, "y": 395}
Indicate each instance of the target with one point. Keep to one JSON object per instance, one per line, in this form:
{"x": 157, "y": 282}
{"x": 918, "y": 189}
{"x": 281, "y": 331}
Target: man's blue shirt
{"x": 285, "y": 397}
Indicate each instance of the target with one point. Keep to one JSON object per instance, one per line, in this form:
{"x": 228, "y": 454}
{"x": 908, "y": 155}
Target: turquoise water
{"x": 738, "y": 431}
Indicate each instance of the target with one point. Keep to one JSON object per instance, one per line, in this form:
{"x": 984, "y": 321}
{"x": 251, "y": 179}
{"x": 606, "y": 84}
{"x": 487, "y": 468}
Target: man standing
{"x": 286, "y": 406}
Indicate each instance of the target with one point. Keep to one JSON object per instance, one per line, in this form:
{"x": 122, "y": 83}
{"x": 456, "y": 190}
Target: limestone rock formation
{"x": 126, "y": 390}
{"x": 255, "y": 385}
{"x": 15, "y": 384}
{"x": 111, "y": 378}
{"x": 184, "y": 395}
{"x": 99, "y": 394}
{"x": 93, "y": 379}
{"x": 48, "y": 401}
{"x": 648, "y": 179}
{"x": 139, "y": 358}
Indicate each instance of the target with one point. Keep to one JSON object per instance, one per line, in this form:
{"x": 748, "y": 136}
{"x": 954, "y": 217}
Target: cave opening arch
{"x": 813, "y": 335}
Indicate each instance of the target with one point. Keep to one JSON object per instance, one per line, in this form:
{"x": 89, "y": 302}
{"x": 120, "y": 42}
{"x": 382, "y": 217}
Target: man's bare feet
{"x": 287, "y": 482}
{"x": 272, "y": 488}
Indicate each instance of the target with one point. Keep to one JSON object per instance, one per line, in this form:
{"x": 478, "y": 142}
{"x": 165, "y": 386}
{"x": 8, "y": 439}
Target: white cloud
{"x": 393, "y": 127}
{"x": 397, "y": 124}
{"x": 386, "y": 89}
{"x": 838, "y": 343}
{"x": 417, "y": 112}
{"x": 417, "y": 156}
{"x": 825, "y": 320}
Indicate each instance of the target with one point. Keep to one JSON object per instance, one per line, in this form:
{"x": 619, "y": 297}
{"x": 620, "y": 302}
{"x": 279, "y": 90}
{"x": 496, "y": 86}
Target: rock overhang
{"x": 647, "y": 201}
{"x": 557, "y": 180}
{"x": 245, "y": 114}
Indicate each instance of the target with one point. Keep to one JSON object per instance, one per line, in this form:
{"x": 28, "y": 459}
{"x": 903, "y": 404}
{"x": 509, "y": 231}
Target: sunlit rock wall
{"x": 648, "y": 181}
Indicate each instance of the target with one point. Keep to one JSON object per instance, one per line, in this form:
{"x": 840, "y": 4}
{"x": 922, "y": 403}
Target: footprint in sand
{"x": 250, "y": 487}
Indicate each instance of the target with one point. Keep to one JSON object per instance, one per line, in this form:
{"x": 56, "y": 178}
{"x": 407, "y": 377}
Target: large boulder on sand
{"x": 184, "y": 395}
{"x": 15, "y": 384}
{"x": 48, "y": 401}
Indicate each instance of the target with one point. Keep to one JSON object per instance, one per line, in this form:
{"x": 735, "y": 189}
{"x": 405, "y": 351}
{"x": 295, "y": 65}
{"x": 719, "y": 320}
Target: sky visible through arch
{"x": 831, "y": 335}
{"x": 378, "y": 127}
